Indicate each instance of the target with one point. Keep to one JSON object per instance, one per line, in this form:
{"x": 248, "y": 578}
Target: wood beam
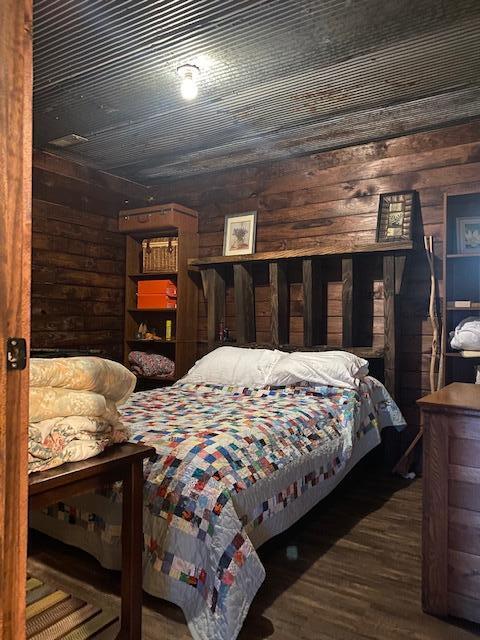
{"x": 280, "y": 302}
{"x": 214, "y": 290}
{"x": 244, "y": 303}
{"x": 347, "y": 302}
{"x": 390, "y": 324}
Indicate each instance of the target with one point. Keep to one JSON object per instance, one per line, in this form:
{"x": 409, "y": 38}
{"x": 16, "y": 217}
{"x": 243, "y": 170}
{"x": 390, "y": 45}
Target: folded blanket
{"x": 73, "y": 409}
{"x": 105, "y": 377}
{"x": 150, "y": 364}
{"x": 47, "y": 402}
{"x": 69, "y": 439}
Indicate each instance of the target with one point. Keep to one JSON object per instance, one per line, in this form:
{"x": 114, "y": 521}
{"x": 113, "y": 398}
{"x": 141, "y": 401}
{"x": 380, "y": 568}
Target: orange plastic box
{"x": 157, "y": 294}
{"x": 156, "y": 301}
{"x": 167, "y": 287}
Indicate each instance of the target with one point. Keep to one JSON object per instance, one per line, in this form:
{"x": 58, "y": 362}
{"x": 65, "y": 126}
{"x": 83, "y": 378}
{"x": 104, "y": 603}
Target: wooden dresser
{"x": 451, "y": 502}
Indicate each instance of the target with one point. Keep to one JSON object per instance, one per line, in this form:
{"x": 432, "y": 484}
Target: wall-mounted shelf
{"x": 159, "y": 310}
{"x": 328, "y": 250}
{"x": 145, "y": 341}
{"x": 456, "y": 256}
{"x": 474, "y": 306}
{"x": 157, "y": 378}
{"x": 459, "y": 354}
{"x": 153, "y": 276}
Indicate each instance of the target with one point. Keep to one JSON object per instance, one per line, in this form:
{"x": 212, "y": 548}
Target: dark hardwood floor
{"x": 349, "y": 569}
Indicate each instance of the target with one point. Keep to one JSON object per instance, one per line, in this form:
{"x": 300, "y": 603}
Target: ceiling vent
{"x": 67, "y": 141}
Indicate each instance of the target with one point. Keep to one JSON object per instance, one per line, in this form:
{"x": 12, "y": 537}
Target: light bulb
{"x": 189, "y": 74}
{"x": 188, "y": 88}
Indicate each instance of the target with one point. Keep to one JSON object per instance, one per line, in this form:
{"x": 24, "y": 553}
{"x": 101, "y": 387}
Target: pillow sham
{"x": 331, "y": 368}
{"x": 233, "y": 366}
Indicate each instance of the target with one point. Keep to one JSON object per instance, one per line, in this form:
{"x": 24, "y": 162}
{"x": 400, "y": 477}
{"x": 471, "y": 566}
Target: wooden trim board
{"x": 15, "y": 269}
{"x": 330, "y": 250}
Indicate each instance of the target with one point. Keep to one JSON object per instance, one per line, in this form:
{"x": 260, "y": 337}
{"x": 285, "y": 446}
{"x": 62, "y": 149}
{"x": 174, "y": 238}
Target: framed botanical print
{"x": 239, "y": 233}
{"x": 468, "y": 235}
{"x": 395, "y": 214}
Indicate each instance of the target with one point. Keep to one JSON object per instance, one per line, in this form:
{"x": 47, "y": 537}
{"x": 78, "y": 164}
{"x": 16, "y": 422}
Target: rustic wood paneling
{"x": 78, "y": 258}
{"x": 332, "y": 197}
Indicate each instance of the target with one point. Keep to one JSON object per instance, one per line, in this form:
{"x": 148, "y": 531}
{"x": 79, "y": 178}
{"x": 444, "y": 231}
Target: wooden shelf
{"x": 454, "y": 256}
{"x": 330, "y": 250}
{"x": 156, "y": 378}
{"x": 475, "y": 306}
{"x": 153, "y": 310}
{"x": 144, "y": 342}
{"x": 153, "y": 276}
{"x": 457, "y": 354}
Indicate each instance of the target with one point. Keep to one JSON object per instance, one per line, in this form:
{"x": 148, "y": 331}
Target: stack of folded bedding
{"x": 150, "y": 365}
{"x": 73, "y": 409}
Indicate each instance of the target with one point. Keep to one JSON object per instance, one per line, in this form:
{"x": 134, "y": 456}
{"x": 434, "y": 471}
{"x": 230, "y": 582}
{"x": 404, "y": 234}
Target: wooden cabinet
{"x": 143, "y": 224}
{"x": 451, "y": 507}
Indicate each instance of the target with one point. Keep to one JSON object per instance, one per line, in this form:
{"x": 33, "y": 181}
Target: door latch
{"x": 16, "y": 354}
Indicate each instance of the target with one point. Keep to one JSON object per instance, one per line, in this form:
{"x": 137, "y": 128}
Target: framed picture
{"x": 239, "y": 233}
{"x": 395, "y": 213}
{"x": 468, "y": 235}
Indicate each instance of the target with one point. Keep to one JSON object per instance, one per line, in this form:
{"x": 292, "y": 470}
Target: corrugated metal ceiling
{"x": 278, "y": 77}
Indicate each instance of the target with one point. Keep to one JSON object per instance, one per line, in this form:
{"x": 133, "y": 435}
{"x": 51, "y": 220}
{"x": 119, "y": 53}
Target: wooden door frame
{"x": 15, "y": 268}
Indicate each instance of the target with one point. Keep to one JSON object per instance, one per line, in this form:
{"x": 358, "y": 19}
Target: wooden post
{"x": 347, "y": 302}
{"x": 280, "y": 302}
{"x": 390, "y": 323}
{"x": 132, "y": 546}
{"x": 214, "y": 289}
{"x": 15, "y": 270}
{"x": 244, "y": 303}
{"x": 435, "y": 512}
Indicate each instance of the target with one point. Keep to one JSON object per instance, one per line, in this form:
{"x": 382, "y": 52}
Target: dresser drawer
{"x": 463, "y": 452}
{"x": 464, "y": 530}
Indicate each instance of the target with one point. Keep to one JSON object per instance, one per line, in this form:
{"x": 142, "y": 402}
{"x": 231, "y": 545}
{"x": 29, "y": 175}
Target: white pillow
{"x": 332, "y": 368}
{"x": 233, "y": 366}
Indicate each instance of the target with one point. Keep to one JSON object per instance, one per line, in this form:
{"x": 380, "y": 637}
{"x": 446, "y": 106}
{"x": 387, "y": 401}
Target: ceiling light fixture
{"x": 189, "y": 74}
{"x": 68, "y": 140}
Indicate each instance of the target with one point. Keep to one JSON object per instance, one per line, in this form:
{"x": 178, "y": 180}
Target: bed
{"x": 235, "y": 465}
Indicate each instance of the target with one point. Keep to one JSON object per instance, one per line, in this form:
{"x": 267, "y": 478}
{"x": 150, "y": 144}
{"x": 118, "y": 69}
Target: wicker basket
{"x": 160, "y": 255}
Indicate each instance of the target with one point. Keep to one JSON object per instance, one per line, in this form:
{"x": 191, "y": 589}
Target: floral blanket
{"x": 73, "y": 411}
{"x": 234, "y": 467}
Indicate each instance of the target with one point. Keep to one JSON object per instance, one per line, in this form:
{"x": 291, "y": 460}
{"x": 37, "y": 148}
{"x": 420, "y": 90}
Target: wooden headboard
{"x": 216, "y": 271}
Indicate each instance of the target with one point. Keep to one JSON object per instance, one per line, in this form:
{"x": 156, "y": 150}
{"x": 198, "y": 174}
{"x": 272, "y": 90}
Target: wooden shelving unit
{"x": 182, "y": 347}
{"x": 461, "y": 282}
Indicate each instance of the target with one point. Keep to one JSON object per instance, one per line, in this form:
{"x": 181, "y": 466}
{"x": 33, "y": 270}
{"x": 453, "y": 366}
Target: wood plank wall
{"x": 78, "y": 260}
{"x": 333, "y": 196}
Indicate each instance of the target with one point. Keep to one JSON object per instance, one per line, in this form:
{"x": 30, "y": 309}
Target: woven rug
{"x": 53, "y": 614}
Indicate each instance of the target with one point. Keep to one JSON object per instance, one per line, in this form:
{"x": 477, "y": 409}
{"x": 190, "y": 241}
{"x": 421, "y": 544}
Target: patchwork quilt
{"x": 234, "y": 467}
